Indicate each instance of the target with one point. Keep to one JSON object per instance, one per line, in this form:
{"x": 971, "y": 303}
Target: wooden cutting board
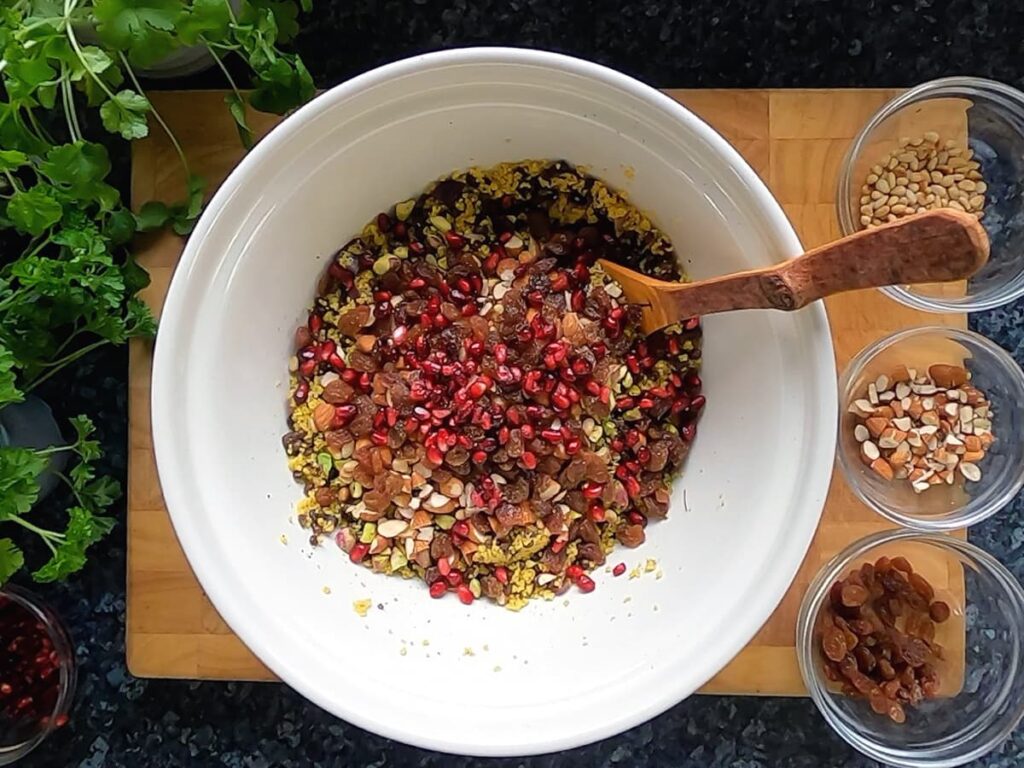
{"x": 795, "y": 140}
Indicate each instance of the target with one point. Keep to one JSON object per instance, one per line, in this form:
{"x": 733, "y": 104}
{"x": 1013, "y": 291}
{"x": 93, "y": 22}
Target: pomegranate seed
{"x": 585, "y": 583}
{"x": 573, "y": 572}
{"x": 561, "y": 402}
{"x": 572, "y": 446}
{"x": 619, "y": 569}
{"x": 454, "y": 578}
{"x": 307, "y": 368}
{"x": 398, "y": 335}
{"x": 379, "y": 438}
{"x": 529, "y": 460}
{"x": 692, "y": 323}
{"x": 455, "y": 240}
{"x": 438, "y": 588}
{"x": 444, "y": 566}
{"x": 315, "y": 323}
{"x": 635, "y": 518}
{"x": 698, "y": 403}
{"x": 349, "y": 376}
{"x": 465, "y": 595}
{"x": 479, "y": 457}
{"x": 434, "y": 456}
{"x": 343, "y": 414}
{"x": 358, "y": 552}
{"x": 461, "y": 528}
{"x": 592, "y": 490}
{"x": 301, "y": 392}
{"x": 528, "y": 432}
{"x": 325, "y": 350}
{"x": 558, "y": 546}
{"x": 559, "y": 282}
{"x": 596, "y": 512}
{"x": 477, "y": 389}
{"x": 336, "y": 363}
{"x": 688, "y": 432}
{"x": 645, "y": 402}
{"x": 416, "y": 283}
{"x": 383, "y": 222}
{"x": 468, "y": 310}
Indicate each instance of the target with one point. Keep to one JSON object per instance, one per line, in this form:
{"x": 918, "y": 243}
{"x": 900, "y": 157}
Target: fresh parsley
{"x": 68, "y": 284}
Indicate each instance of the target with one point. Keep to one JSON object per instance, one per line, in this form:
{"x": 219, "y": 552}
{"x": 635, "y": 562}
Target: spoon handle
{"x": 934, "y": 247}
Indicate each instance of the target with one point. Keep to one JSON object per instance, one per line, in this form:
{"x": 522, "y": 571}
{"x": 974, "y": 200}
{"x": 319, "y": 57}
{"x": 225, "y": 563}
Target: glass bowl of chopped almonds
{"x": 930, "y": 427}
{"x": 957, "y": 142}
{"x": 911, "y": 646}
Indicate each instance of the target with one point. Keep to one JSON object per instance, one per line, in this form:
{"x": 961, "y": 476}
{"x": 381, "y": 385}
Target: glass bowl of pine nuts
{"x": 931, "y": 427}
{"x": 957, "y": 142}
{"x": 911, "y": 646}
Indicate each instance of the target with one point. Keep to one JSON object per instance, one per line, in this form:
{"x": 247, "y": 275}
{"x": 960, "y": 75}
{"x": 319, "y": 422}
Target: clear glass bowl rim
{"x": 62, "y": 643}
{"x": 945, "y": 87}
{"x": 847, "y": 730}
{"x": 970, "y": 514}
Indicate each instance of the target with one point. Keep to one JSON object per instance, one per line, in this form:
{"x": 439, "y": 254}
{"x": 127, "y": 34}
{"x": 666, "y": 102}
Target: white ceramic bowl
{"x": 571, "y": 671}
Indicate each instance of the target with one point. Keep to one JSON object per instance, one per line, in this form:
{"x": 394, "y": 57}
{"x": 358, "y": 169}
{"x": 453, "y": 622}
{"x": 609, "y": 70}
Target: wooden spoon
{"x": 933, "y": 247}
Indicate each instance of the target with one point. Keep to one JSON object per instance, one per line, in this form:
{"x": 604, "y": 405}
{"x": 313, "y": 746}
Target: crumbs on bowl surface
{"x": 473, "y": 403}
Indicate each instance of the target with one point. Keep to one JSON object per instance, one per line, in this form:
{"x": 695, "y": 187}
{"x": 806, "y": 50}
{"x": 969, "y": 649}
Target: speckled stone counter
{"x": 123, "y": 721}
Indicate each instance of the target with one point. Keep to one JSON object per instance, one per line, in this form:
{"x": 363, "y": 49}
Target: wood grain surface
{"x": 795, "y": 140}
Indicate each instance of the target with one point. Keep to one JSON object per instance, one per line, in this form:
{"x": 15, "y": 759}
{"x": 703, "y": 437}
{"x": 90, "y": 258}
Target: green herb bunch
{"x": 67, "y": 282}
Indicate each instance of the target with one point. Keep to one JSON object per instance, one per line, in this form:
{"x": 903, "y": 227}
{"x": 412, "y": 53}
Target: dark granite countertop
{"x": 124, "y": 721}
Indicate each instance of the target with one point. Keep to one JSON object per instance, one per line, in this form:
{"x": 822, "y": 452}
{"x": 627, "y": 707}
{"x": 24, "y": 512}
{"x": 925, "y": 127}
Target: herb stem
{"x": 231, "y": 80}
{"x": 156, "y": 115}
{"x": 45, "y": 534}
{"x": 56, "y": 365}
{"x": 74, "y": 490}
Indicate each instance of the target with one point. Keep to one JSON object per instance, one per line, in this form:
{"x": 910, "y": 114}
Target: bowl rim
{"x": 816, "y": 593}
{"x": 943, "y": 87}
{"x": 961, "y": 517}
{"x": 165, "y": 417}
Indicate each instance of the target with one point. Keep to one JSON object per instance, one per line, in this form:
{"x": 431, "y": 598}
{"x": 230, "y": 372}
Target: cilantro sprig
{"x": 68, "y": 284}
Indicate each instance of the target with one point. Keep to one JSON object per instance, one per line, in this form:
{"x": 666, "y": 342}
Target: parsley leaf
{"x": 79, "y": 169}
{"x": 140, "y": 28}
{"x": 11, "y": 159}
{"x": 11, "y": 559}
{"x": 34, "y": 210}
{"x": 9, "y": 392}
{"x": 19, "y": 485}
{"x": 126, "y": 114}
{"x": 207, "y": 20}
{"x": 84, "y": 529}
{"x": 237, "y": 108}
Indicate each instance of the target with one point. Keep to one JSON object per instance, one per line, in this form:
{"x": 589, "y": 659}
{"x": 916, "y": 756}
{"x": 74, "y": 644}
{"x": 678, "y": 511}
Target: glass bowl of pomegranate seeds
{"x": 911, "y": 646}
{"x": 37, "y": 673}
{"x": 930, "y": 427}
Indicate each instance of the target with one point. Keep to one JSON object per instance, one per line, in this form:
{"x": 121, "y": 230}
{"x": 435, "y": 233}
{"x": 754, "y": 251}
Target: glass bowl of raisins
{"x": 912, "y": 647}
